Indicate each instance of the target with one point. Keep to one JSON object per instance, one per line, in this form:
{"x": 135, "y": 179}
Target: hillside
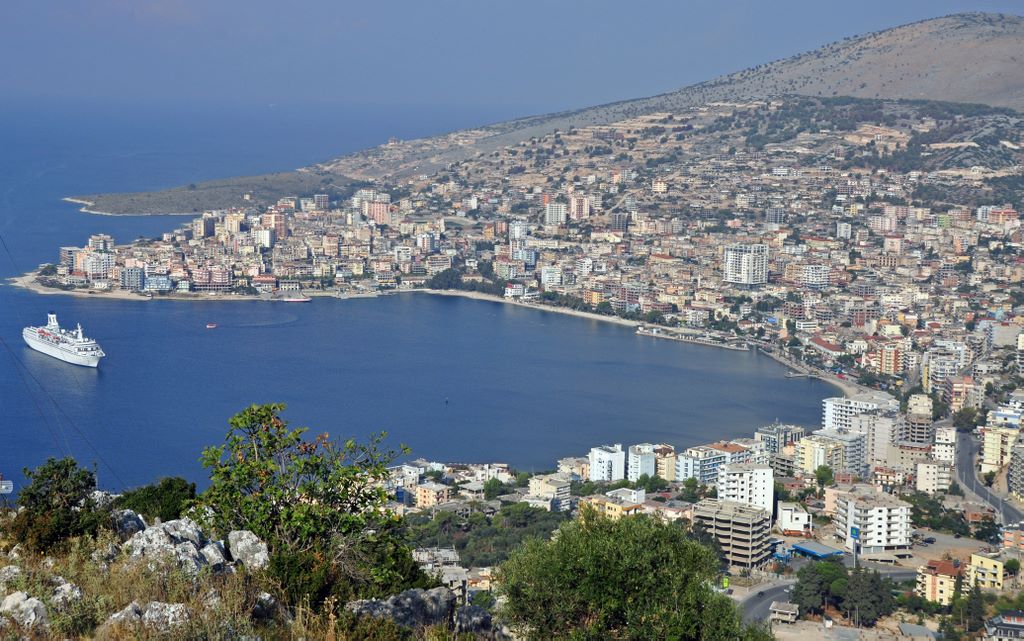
{"x": 972, "y": 58}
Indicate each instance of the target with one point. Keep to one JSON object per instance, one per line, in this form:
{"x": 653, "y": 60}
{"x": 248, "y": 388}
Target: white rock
{"x": 248, "y": 549}
{"x": 65, "y": 594}
{"x": 8, "y": 575}
{"x": 164, "y": 616}
{"x": 28, "y": 612}
{"x": 181, "y": 530}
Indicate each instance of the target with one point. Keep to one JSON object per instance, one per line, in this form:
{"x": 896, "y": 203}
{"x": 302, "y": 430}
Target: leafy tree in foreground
{"x": 318, "y": 505}
{"x": 56, "y": 505}
{"x": 635, "y": 578}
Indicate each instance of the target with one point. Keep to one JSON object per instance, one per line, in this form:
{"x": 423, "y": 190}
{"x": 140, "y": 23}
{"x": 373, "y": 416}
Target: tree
{"x": 824, "y": 476}
{"x": 318, "y": 505}
{"x": 493, "y": 488}
{"x": 965, "y": 418}
{"x": 989, "y": 478}
{"x": 975, "y": 609}
{"x": 634, "y": 578}
{"x": 815, "y": 581}
{"x": 1012, "y": 567}
{"x": 987, "y": 530}
{"x": 165, "y": 499}
{"x": 56, "y": 505}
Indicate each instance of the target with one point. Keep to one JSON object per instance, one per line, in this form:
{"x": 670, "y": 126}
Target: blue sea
{"x": 453, "y": 379}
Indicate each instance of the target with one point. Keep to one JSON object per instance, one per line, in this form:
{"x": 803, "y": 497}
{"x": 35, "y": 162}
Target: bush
{"x": 56, "y": 506}
{"x": 165, "y": 499}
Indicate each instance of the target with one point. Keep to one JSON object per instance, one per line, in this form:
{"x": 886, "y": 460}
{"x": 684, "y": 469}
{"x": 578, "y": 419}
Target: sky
{"x": 517, "y": 57}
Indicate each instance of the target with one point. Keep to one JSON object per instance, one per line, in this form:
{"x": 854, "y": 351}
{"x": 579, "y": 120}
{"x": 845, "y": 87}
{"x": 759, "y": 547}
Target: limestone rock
{"x": 248, "y": 549}
{"x": 413, "y": 608}
{"x": 28, "y": 612}
{"x": 164, "y": 616}
{"x": 266, "y": 607}
{"x": 8, "y": 575}
{"x": 65, "y": 594}
{"x": 215, "y": 554}
{"x": 126, "y": 523}
{"x": 131, "y": 615}
{"x": 472, "y": 619}
{"x": 181, "y": 530}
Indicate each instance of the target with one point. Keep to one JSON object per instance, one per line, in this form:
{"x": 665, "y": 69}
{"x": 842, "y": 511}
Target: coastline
{"x": 86, "y": 204}
{"x": 28, "y": 281}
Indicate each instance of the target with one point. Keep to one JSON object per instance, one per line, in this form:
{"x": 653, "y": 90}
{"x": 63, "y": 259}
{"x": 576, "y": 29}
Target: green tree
{"x": 815, "y": 581}
{"x": 165, "y": 499}
{"x": 318, "y": 505}
{"x": 56, "y": 505}
{"x": 989, "y": 478}
{"x": 493, "y": 488}
{"x": 634, "y": 578}
{"x": 975, "y": 609}
{"x": 824, "y": 476}
{"x": 1012, "y": 567}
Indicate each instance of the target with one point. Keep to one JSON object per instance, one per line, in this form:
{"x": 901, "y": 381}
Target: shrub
{"x": 165, "y": 499}
{"x": 57, "y": 506}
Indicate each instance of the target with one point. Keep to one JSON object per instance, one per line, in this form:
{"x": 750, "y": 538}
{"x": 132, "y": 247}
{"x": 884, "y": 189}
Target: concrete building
{"x": 702, "y": 462}
{"x": 742, "y": 531}
{"x": 854, "y": 447}
{"x": 1015, "y": 473}
{"x": 997, "y": 444}
{"x": 777, "y": 437}
{"x": 838, "y": 411}
{"x": 607, "y": 463}
{"x": 933, "y": 476}
{"x": 1008, "y": 626}
{"x": 987, "y": 570}
{"x": 793, "y": 520}
{"x": 665, "y": 461}
{"x": 555, "y": 213}
{"x": 882, "y": 522}
{"x": 747, "y": 483}
{"x": 936, "y": 581}
{"x": 745, "y": 264}
{"x": 881, "y": 432}
{"x": 431, "y": 494}
{"x": 814, "y": 451}
{"x": 944, "y": 447}
{"x": 642, "y": 460}
{"x": 555, "y": 489}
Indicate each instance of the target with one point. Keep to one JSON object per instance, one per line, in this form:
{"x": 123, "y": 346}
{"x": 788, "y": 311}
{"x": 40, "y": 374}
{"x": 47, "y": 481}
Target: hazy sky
{"x": 533, "y": 55}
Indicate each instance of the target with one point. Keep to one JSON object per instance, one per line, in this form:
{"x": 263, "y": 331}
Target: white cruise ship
{"x": 68, "y": 346}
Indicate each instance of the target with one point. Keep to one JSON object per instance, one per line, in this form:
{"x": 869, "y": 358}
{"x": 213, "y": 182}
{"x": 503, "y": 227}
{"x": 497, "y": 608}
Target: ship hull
{"x": 52, "y": 350}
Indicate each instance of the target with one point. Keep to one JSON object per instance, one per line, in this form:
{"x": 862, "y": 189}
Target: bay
{"x": 522, "y": 386}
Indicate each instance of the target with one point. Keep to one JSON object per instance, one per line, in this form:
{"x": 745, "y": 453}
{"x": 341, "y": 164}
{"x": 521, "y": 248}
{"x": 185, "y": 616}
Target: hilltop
{"x": 970, "y": 58}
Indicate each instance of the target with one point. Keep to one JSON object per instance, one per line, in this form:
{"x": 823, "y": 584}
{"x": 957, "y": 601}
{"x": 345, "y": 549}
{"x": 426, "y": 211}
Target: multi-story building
{"x": 997, "y": 444}
{"x": 607, "y": 463}
{"x": 615, "y": 505}
{"x": 702, "y": 462}
{"x": 877, "y": 522}
{"x": 746, "y": 264}
{"x": 777, "y": 436}
{"x": 944, "y": 448}
{"x": 881, "y": 431}
{"x": 936, "y": 581}
{"x": 854, "y": 450}
{"x": 793, "y": 520}
{"x": 553, "y": 488}
{"x": 431, "y": 494}
{"x": 814, "y": 451}
{"x": 742, "y": 531}
{"x": 1015, "y": 473}
{"x": 986, "y": 570}
{"x": 642, "y": 460}
{"x": 665, "y": 461}
{"x": 1007, "y": 626}
{"x": 933, "y": 476}
{"x": 748, "y": 483}
{"x": 838, "y": 411}
{"x": 555, "y": 213}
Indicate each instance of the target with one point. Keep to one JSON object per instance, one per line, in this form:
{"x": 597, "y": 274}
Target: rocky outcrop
{"x": 65, "y": 594}
{"x": 164, "y": 616}
{"x": 472, "y": 619}
{"x": 179, "y": 541}
{"x": 247, "y": 548}
{"x": 26, "y": 611}
{"x": 412, "y": 608}
{"x": 126, "y": 523}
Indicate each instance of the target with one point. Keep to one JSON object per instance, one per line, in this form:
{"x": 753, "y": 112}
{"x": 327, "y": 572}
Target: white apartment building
{"x": 607, "y": 463}
{"x": 642, "y": 460}
{"x": 882, "y": 433}
{"x": 997, "y": 445}
{"x": 944, "y": 447}
{"x": 793, "y": 520}
{"x": 747, "y": 483}
{"x": 746, "y": 264}
{"x": 854, "y": 448}
{"x": 555, "y": 213}
{"x": 933, "y": 476}
{"x": 882, "y": 522}
{"x": 702, "y": 462}
{"x": 838, "y": 411}
{"x": 554, "y": 490}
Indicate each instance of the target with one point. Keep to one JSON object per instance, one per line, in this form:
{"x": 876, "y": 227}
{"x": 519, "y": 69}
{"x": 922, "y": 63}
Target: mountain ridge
{"x": 966, "y": 57}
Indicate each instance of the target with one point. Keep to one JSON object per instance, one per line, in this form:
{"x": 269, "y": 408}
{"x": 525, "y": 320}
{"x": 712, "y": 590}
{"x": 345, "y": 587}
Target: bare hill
{"x": 973, "y": 58}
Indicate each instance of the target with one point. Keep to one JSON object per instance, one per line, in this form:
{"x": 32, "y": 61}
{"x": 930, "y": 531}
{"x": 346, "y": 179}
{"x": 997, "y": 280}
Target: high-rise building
{"x": 742, "y": 531}
{"x": 322, "y": 201}
{"x": 747, "y": 483}
{"x": 838, "y": 411}
{"x": 642, "y": 460}
{"x": 607, "y": 463}
{"x": 555, "y": 213}
{"x": 746, "y": 264}
{"x": 944, "y": 448}
{"x": 878, "y": 522}
{"x": 777, "y": 436}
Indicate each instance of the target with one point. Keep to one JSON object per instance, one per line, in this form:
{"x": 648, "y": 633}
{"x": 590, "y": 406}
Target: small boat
{"x": 211, "y": 326}
{"x": 296, "y": 299}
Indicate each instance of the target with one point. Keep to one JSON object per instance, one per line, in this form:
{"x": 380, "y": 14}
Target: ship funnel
{"x": 51, "y": 319}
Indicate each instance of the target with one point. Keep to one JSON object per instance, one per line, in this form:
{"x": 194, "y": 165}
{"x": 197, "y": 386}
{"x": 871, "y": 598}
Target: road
{"x": 966, "y": 451}
{"x": 756, "y": 608}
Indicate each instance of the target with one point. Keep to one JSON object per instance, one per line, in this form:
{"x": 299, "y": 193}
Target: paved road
{"x": 757, "y": 606}
{"x": 966, "y": 451}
